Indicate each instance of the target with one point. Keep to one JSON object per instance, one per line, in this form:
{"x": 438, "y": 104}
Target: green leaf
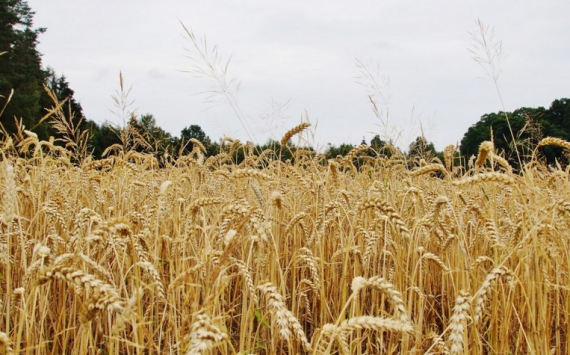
{"x": 260, "y": 318}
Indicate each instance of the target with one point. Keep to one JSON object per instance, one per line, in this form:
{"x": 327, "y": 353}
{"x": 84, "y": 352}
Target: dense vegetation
{"x": 529, "y": 126}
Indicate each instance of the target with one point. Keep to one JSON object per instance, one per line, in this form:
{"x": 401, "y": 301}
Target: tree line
{"x": 39, "y": 100}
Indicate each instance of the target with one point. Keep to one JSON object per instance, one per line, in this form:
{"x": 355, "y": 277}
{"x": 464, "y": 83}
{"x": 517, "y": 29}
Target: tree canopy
{"x": 529, "y": 126}
{"x": 21, "y": 73}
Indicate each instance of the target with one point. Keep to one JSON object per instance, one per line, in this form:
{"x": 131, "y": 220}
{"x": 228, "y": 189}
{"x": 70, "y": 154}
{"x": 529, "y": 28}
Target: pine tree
{"x": 20, "y": 66}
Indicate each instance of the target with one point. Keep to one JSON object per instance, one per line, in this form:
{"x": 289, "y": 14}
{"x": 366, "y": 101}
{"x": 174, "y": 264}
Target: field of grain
{"x": 206, "y": 256}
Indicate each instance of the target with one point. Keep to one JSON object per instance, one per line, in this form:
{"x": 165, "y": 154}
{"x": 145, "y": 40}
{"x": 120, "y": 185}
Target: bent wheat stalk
{"x": 293, "y": 131}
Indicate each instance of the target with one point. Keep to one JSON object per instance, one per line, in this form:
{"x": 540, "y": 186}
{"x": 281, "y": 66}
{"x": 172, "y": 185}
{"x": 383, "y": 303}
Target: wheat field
{"x": 308, "y": 256}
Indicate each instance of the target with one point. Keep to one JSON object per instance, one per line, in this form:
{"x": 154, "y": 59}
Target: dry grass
{"x": 120, "y": 257}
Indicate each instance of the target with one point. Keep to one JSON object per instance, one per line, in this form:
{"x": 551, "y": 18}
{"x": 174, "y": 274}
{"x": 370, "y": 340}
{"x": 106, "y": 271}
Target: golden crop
{"x": 205, "y": 256}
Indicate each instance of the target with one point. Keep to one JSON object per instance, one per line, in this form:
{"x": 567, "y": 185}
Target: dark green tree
{"x": 158, "y": 139}
{"x": 62, "y": 90}
{"x": 377, "y": 143}
{"x": 20, "y": 66}
{"x": 421, "y": 149}
{"x": 556, "y": 123}
{"x": 196, "y": 132}
{"x": 102, "y": 137}
{"x": 557, "y": 119}
{"x": 143, "y": 134}
{"x": 342, "y": 150}
{"x": 285, "y": 152}
{"x": 379, "y": 146}
{"x": 529, "y": 126}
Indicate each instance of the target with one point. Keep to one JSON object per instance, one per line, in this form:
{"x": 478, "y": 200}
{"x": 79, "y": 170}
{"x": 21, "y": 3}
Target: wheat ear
{"x": 502, "y": 162}
{"x": 284, "y": 318}
{"x": 203, "y": 336}
{"x": 6, "y": 343}
{"x": 448, "y": 156}
{"x": 427, "y": 169}
{"x": 379, "y": 283}
{"x": 293, "y": 131}
{"x": 198, "y": 144}
{"x": 555, "y": 142}
{"x": 485, "y": 149}
{"x": 101, "y": 295}
{"x": 390, "y": 212}
{"x": 253, "y": 173}
{"x": 481, "y": 295}
{"x": 486, "y": 177}
{"x": 376, "y": 323}
{"x": 246, "y": 274}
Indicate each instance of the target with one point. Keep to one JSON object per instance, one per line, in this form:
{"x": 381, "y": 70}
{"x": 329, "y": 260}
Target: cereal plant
{"x": 208, "y": 256}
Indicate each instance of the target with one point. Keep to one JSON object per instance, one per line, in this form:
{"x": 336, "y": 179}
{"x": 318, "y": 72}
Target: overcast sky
{"x": 297, "y": 58}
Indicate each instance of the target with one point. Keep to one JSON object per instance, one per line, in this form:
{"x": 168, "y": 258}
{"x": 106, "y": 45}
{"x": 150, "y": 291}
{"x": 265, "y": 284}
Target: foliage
{"x": 421, "y": 149}
{"x": 62, "y": 91}
{"x": 153, "y": 137}
{"x": 342, "y": 150}
{"x": 196, "y": 132}
{"x": 20, "y": 66}
{"x": 529, "y": 126}
{"x": 102, "y": 137}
